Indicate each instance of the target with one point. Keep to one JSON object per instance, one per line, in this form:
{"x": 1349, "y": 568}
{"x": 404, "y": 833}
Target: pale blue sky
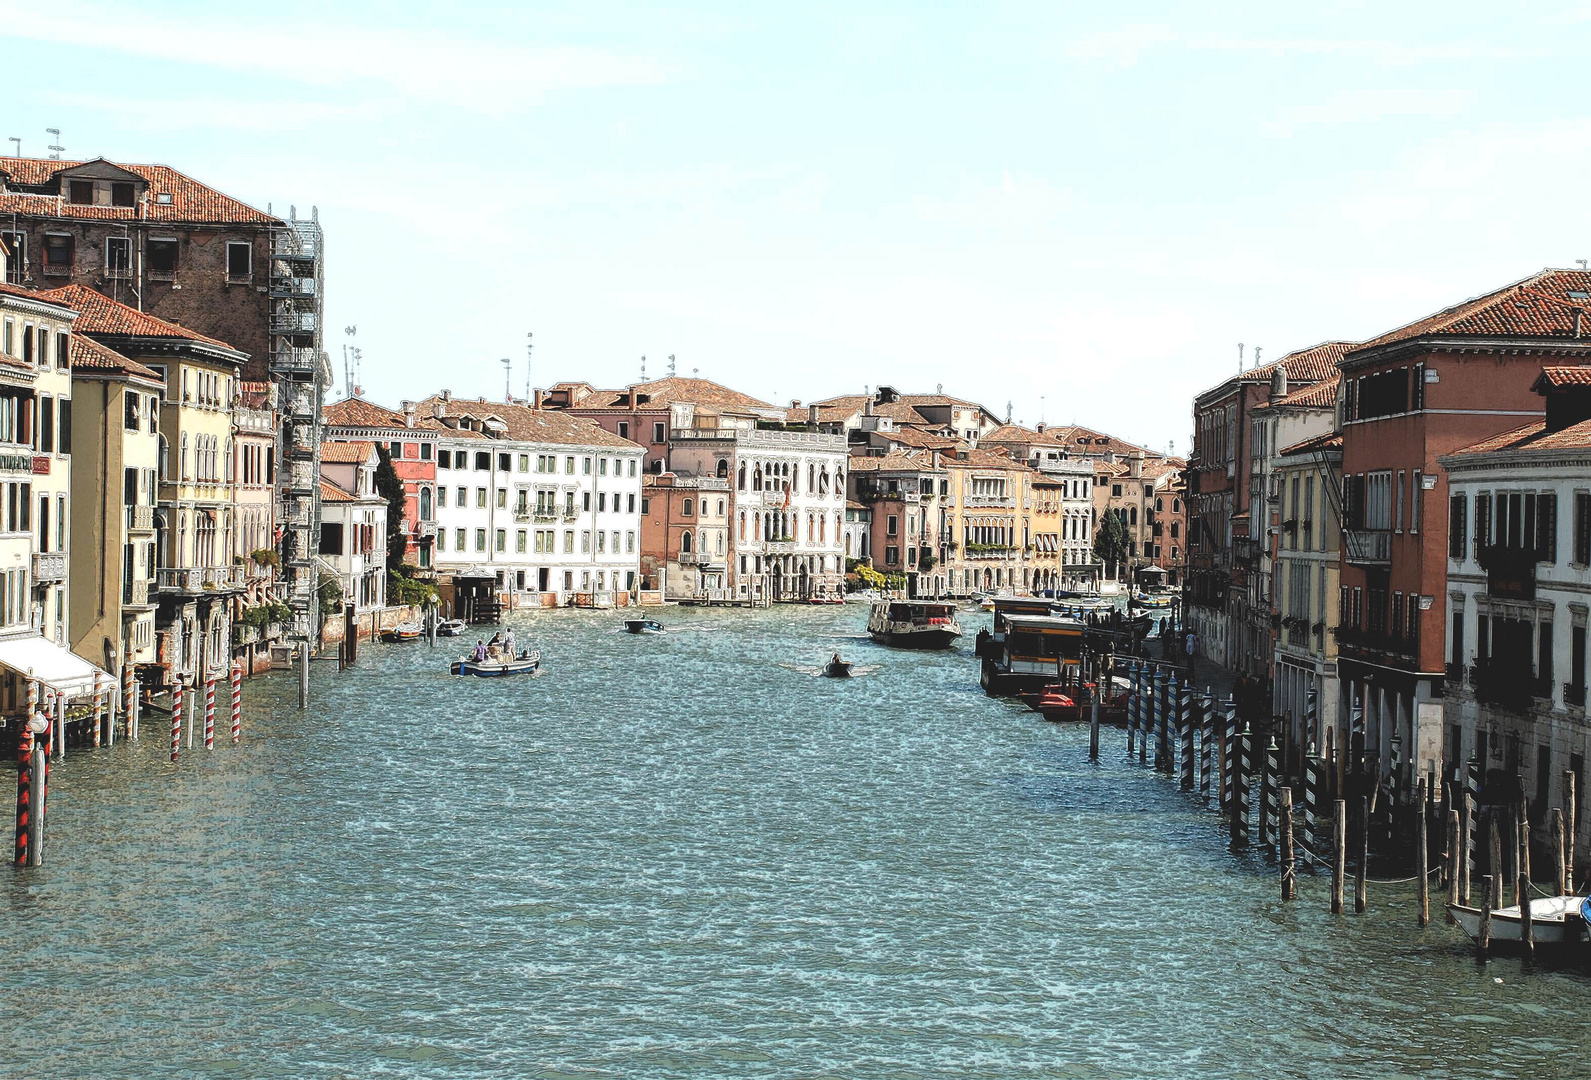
{"x": 1013, "y": 200}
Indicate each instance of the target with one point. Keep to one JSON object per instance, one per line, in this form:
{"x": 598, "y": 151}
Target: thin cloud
{"x": 1125, "y": 46}
{"x": 488, "y": 77}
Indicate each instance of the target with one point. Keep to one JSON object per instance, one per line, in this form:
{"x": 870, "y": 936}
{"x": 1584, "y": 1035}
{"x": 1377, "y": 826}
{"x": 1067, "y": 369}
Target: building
{"x": 1518, "y": 550}
{"x": 987, "y": 532}
{"x": 197, "y": 581}
{"x": 1307, "y": 479}
{"x": 411, "y": 447}
{"x": 685, "y": 536}
{"x": 906, "y": 495}
{"x": 1138, "y": 489}
{"x": 115, "y": 488}
{"x": 951, "y": 417}
{"x": 253, "y": 463}
{"x": 1223, "y": 548}
{"x": 545, "y": 502}
{"x": 858, "y": 529}
{"x": 647, "y": 412}
{"x": 1410, "y": 396}
{"x": 353, "y": 523}
{"x": 1285, "y": 420}
{"x": 787, "y": 514}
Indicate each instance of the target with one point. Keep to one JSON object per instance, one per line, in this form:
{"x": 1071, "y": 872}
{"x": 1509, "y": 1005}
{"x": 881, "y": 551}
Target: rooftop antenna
{"x": 1582, "y": 263}
{"x": 1256, "y": 356}
{"x": 1240, "y": 356}
{"x": 1008, "y": 412}
{"x": 529, "y": 345}
{"x": 694, "y": 370}
{"x": 643, "y": 369}
{"x": 55, "y": 146}
{"x": 18, "y": 143}
{"x": 939, "y": 388}
{"x": 1041, "y": 408}
{"x": 671, "y": 365}
{"x": 508, "y": 386}
{"x": 348, "y": 363}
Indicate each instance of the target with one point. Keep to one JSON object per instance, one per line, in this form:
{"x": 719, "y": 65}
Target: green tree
{"x": 1110, "y": 542}
{"x": 389, "y": 485}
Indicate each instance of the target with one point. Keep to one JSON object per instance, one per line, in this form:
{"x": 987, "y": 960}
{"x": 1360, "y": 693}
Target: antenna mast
{"x": 348, "y": 361}
{"x": 55, "y": 146}
{"x": 508, "y": 386}
{"x": 671, "y": 365}
{"x": 529, "y": 348}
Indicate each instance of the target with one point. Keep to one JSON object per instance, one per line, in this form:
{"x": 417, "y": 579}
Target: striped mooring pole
{"x": 1206, "y": 747}
{"x": 1472, "y": 787}
{"x": 1271, "y": 795}
{"x": 1150, "y": 720}
{"x": 1188, "y": 713}
{"x": 99, "y": 709}
{"x": 1229, "y": 755}
{"x": 237, "y": 702}
{"x": 24, "y": 782}
{"x": 1312, "y": 794}
{"x": 1243, "y": 753}
{"x": 1169, "y": 720}
{"x": 1132, "y": 706}
{"x": 209, "y": 711}
{"x": 130, "y": 699}
{"x": 176, "y": 718}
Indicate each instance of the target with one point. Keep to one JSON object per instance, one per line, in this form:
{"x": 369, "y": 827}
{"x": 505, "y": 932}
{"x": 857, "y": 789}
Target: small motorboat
{"x": 837, "y": 668}
{"x": 1548, "y": 925}
{"x": 1057, "y": 703}
{"x": 407, "y": 631}
{"x": 450, "y": 628}
{"x": 643, "y": 626}
{"x": 525, "y": 663}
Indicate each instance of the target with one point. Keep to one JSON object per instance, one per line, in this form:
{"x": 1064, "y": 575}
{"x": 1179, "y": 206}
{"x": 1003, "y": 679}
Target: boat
{"x": 406, "y": 631}
{"x": 643, "y": 626}
{"x": 913, "y": 624}
{"x": 1547, "y": 916}
{"x": 1146, "y": 600}
{"x": 450, "y": 628}
{"x": 826, "y": 598}
{"x": 837, "y": 668}
{"x": 1027, "y": 653}
{"x": 525, "y": 663}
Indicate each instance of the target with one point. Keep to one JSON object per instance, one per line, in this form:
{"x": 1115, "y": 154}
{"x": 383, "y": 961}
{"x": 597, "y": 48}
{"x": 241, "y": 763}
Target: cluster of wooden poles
{"x": 113, "y": 710}
{"x": 1188, "y": 734}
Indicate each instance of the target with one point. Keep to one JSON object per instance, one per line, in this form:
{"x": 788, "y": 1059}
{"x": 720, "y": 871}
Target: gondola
{"x": 525, "y": 663}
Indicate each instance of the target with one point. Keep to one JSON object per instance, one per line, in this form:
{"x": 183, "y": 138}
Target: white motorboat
{"x": 1546, "y": 917}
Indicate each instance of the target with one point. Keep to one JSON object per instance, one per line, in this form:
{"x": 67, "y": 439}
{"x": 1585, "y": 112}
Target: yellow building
{"x": 1046, "y": 520}
{"x": 1308, "y": 476}
{"x": 115, "y": 470}
{"x": 988, "y": 522}
{"x": 196, "y": 576}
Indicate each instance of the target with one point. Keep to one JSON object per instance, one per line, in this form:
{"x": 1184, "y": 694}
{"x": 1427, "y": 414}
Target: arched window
{"x": 685, "y": 543}
{"x": 742, "y": 482}
{"x": 839, "y": 480}
{"x": 756, "y": 479}
{"x": 425, "y": 504}
{"x": 226, "y": 472}
{"x": 723, "y": 468}
{"x": 701, "y": 541}
{"x": 1132, "y": 515}
{"x": 182, "y": 457}
{"x": 165, "y": 458}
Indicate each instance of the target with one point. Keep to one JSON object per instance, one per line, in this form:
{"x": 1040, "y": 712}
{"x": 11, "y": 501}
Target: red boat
{"x": 1060, "y": 701}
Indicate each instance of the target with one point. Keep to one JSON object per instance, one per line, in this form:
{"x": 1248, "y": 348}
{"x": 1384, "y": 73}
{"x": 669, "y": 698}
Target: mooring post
{"x": 1361, "y": 871}
{"x": 99, "y": 710}
{"x": 1242, "y": 780}
{"x": 1494, "y": 857}
{"x": 1272, "y": 787}
{"x": 1093, "y": 723}
{"x": 1229, "y": 754}
{"x": 1527, "y": 927}
{"x": 303, "y": 677}
{"x": 1570, "y": 827}
{"x": 1132, "y": 706}
{"x": 1483, "y": 940}
{"x": 1557, "y": 850}
{"x": 1524, "y": 839}
{"x": 1339, "y": 853}
{"x": 39, "y": 785}
{"x": 1452, "y": 859}
{"x": 1422, "y": 854}
{"x": 237, "y": 701}
{"x": 1311, "y": 806}
{"x": 209, "y": 711}
{"x": 1289, "y": 871}
{"x": 176, "y": 718}
{"x": 1206, "y": 747}
{"x": 1189, "y": 711}
{"x": 1466, "y": 844}
{"x": 24, "y": 786}
{"x": 1171, "y": 722}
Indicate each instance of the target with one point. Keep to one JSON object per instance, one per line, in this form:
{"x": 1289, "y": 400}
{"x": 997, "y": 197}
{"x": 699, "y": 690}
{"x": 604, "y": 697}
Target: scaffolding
{"x": 301, "y": 374}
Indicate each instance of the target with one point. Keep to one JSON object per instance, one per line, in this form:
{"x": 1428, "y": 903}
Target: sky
{"x": 1077, "y": 211}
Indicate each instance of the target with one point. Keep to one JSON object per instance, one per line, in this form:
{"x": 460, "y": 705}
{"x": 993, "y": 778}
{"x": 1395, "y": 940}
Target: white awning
{"x": 54, "y": 665}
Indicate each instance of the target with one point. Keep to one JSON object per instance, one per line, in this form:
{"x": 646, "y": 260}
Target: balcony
{"x": 1510, "y": 687}
{"x": 293, "y": 322}
{"x": 1368, "y": 547}
{"x": 49, "y": 566}
{"x": 522, "y": 514}
{"x": 200, "y": 581}
{"x": 425, "y": 530}
{"x": 980, "y": 501}
{"x": 294, "y": 360}
{"x": 141, "y": 519}
{"x": 989, "y": 551}
{"x": 1378, "y": 644}
{"x": 169, "y": 579}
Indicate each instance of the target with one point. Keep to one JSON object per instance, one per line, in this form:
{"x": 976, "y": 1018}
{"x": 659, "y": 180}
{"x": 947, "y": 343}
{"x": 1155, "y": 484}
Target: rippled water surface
{"x": 688, "y": 856}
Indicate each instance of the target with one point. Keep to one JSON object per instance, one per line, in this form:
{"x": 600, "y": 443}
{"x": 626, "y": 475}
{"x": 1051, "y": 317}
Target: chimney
{"x": 1279, "y": 384}
{"x": 538, "y": 398}
{"x": 439, "y": 408}
{"x": 408, "y": 413}
{"x": 812, "y": 416}
{"x": 447, "y": 395}
{"x": 867, "y": 407}
{"x": 1040, "y": 428}
{"x": 1579, "y": 311}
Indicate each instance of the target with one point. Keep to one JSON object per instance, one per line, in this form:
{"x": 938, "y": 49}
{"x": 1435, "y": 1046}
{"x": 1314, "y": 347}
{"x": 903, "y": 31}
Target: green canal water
{"x": 688, "y": 856}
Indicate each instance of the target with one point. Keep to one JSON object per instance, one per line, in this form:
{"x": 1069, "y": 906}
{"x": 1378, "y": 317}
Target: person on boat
{"x": 836, "y": 662}
{"x": 508, "y": 643}
{"x": 480, "y": 651}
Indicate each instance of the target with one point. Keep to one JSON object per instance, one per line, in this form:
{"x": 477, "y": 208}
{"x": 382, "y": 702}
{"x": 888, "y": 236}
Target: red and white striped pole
{"x": 130, "y": 699}
{"x": 176, "y": 718}
{"x": 99, "y": 709}
{"x": 237, "y": 701}
{"x": 209, "y": 711}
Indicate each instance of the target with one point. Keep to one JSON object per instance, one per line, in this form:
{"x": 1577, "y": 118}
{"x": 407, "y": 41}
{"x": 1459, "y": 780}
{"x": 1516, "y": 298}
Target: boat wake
{"x": 816, "y": 670}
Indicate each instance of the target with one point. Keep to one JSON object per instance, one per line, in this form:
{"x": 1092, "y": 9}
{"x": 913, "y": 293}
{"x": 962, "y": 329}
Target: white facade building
{"x": 353, "y": 523}
{"x": 787, "y": 528}
{"x": 546, "y": 502}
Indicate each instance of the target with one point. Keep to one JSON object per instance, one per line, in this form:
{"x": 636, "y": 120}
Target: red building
{"x": 413, "y": 452}
{"x": 647, "y": 413}
{"x": 1409, "y": 396}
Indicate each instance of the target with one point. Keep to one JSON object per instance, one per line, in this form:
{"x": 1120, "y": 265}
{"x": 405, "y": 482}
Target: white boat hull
{"x": 1546, "y": 917}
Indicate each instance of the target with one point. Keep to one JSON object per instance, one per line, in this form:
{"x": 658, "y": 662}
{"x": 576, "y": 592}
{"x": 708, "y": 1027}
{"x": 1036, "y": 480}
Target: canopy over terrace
{"x": 56, "y": 666}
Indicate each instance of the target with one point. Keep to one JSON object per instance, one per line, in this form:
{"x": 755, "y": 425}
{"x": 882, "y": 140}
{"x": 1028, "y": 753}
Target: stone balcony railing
{"x": 49, "y": 566}
{"x": 135, "y": 592}
{"x": 141, "y": 518}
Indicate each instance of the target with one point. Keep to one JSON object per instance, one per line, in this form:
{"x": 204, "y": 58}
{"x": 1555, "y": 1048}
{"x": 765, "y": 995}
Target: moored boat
{"x": 450, "y": 628}
{"x": 913, "y": 624}
{"x": 526, "y": 663}
{"x": 1555, "y": 920}
{"x": 643, "y": 626}
{"x": 1027, "y": 653}
{"x": 406, "y": 631}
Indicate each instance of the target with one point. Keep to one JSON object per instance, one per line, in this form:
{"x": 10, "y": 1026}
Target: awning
{"x": 1151, "y": 570}
{"x": 54, "y": 665}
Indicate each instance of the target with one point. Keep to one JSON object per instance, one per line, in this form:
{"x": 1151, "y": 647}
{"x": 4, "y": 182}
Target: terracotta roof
{"x": 431, "y": 423}
{"x": 1556, "y": 378}
{"x": 827, "y": 414}
{"x": 191, "y": 201}
{"x": 1326, "y": 443}
{"x": 901, "y": 412}
{"x": 330, "y": 492}
{"x": 1531, "y": 437}
{"x": 674, "y": 388}
{"x": 1540, "y": 306}
{"x": 357, "y": 412}
{"x": 99, "y": 314}
{"x": 355, "y": 452}
{"x": 24, "y": 293}
{"x": 1321, "y": 395}
{"x": 916, "y": 437}
{"x": 894, "y": 461}
{"x": 852, "y": 504}
{"x": 524, "y": 424}
{"x": 89, "y": 355}
{"x": 1305, "y": 365}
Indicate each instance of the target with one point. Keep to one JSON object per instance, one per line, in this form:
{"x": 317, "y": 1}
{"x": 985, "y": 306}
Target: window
{"x": 630, "y": 502}
{"x": 585, "y": 541}
{"x": 425, "y": 451}
{"x": 585, "y": 467}
{"x": 1398, "y": 511}
{"x": 569, "y": 465}
{"x": 657, "y": 433}
{"x": 602, "y": 542}
{"x": 685, "y": 510}
{"x": 502, "y": 539}
{"x": 444, "y": 459}
{"x": 130, "y": 411}
{"x": 80, "y": 192}
{"x": 646, "y": 504}
{"x": 602, "y": 502}
{"x": 483, "y": 461}
{"x": 118, "y": 257}
{"x": 1115, "y": 490}
{"x": 59, "y": 249}
{"x": 46, "y": 424}
{"x": 568, "y": 541}
{"x": 64, "y": 443}
{"x": 624, "y": 429}
{"x": 523, "y": 462}
{"x": 239, "y": 261}
{"x": 160, "y": 258}
{"x": 480, "y": 498}
{"x": 602, "y": 466}
{"x": 1544, "y": 654}
{"x": 1547, "y": 527}
{"x": 17, "y": 244}
{"x": 519, "y": 542}
{"x": 1415, "y": 488}
{"x": 458, "y": 539}
{"x": 502, "y": 498}
{"x": 480, "y": 539}
{"x": 1457, "y": 525}
{"x": 121, "y": 193}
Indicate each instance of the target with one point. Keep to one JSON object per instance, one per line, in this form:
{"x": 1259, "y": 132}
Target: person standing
{"x": 1190, "y": 645}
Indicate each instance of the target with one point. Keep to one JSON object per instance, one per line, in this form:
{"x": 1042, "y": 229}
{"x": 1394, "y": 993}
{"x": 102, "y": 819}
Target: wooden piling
{"x": 1361, "y": 871}
{"x": 1452, "y": 859}
{"x": 1494, "y": 857}
{"x": 1093, "y": 719}
{"x": 1422, "y": 853}
{"x": 1339, "y": 853}
{"x": 1483, "y": 940}
{"x": 1527, "y": 926}
{"x": 1524, "y": 840}
{"x": 1466, "y": 850}
{"x": 1557, "y": 851}
{"x": 1569, "y": 829}
{"x": 1289, "y": 870}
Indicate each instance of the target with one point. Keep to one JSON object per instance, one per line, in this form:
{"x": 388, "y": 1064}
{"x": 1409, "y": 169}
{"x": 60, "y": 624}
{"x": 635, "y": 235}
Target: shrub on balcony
{"x": 266, "y": 557}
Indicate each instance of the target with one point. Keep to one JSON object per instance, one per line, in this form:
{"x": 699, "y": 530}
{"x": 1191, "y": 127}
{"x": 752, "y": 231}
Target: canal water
{"x": 688, "y": 856}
